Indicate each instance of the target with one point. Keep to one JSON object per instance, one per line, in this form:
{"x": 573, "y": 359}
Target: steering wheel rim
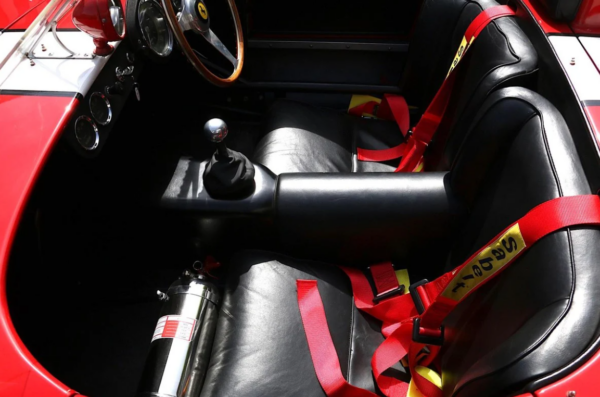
{"x": 198, "y": 20}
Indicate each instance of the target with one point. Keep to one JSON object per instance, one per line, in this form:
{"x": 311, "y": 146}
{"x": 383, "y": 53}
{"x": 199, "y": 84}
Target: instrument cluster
{"x": 149, "y": 30}
{"x": 150, "y": 36}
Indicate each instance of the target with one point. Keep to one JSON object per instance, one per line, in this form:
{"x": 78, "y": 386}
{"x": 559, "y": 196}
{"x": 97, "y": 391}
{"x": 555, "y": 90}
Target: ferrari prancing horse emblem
{"x": 202, "y": 11}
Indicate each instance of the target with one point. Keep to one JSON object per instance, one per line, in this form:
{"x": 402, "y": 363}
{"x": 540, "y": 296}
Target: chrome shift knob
{"x": 215, "y": 130}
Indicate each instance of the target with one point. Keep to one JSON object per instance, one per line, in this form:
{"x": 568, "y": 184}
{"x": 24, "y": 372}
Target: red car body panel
{"x": 12, "y": 10}
{"x": 19, "y": 14}
{"x": 587, "y": 20}
{"x": 29, "y": 127}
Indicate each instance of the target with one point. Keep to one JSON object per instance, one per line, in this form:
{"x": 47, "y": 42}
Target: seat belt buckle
{"x": 426, "y": 336}
{"x": 388, "y": 294}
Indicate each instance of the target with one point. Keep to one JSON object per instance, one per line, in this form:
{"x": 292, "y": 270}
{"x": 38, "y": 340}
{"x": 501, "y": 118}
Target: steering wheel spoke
{"x": 212, "y": 38}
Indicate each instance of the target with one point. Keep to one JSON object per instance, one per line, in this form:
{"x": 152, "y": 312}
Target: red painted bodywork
{"x": 587, "y": 20}
{"x": 13, "y": 9}
{"x": 19, "y": 14}
{"x": 584, "y": 381}
{"x": 29, "y": 127}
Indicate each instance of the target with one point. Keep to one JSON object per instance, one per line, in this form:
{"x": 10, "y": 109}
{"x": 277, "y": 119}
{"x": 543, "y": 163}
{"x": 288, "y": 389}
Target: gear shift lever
{"x": 228, "y": 174}
{"x": 216, "y": 131}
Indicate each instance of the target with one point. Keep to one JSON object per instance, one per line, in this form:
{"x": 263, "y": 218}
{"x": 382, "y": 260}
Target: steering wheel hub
{"x": 194, "y": 16}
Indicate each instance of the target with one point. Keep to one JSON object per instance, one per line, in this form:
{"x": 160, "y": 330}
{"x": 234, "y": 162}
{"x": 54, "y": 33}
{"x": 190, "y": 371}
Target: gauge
{"x": 116, "y": 16}
{"x": 86, "y": 133}
{"x": 100, "y": 108}
{"x": 155, "y": 29}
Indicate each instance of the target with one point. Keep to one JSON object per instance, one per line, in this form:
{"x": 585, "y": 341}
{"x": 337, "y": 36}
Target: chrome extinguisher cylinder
{"x": 182, "y": 340}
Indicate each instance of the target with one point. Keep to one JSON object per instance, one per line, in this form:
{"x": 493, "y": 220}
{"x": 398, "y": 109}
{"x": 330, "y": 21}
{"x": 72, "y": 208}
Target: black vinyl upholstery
{"x": 303, "y": 138}
{"x": 533, "y": 319}
{"x": 541, "y": 313}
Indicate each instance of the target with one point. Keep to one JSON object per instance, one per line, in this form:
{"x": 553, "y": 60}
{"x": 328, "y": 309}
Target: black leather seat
{"x": 523, "y": 328}
{"x": 303, "y": 138}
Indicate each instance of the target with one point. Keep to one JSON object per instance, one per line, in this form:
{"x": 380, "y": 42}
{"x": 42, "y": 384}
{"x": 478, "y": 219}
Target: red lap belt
{"x": 403, "y": 326}
{"x": 394, "y": 107}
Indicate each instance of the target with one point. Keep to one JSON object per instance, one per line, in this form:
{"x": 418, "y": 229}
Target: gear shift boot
{"x": 228, "y": 174}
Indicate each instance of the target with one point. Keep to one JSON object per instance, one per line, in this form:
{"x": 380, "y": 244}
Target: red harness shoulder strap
{"x": 394, "y": 107}
{"x": 426, "y": 128}
{"x": 406, "y": 326}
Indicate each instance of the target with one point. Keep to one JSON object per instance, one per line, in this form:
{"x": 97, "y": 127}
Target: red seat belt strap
{"x": 381, "y": 154}
{"x": 452, "y": 288}
{"x": 428, "y": 125}
{"x": 392, "y": 107}
{"x": 320, "y": 344}
{"x": 442, "y": 295}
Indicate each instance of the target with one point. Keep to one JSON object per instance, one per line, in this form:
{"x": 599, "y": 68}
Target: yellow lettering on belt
{"x": 462, "y": 48}
{"x": 489, "y": 261}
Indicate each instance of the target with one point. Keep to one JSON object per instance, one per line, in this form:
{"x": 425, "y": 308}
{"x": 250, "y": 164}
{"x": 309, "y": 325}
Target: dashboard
{"x": 148, "y": 37}
{"x": 96, "y": 115}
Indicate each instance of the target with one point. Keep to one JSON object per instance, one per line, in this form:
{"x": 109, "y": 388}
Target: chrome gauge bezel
{"x": 87, "y": 119}
{"x": 158, "y": 8}
{"x": 108, "y": 108}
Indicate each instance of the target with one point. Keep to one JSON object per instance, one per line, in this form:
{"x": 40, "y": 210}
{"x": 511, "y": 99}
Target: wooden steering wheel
{"x": 194, "y": 17}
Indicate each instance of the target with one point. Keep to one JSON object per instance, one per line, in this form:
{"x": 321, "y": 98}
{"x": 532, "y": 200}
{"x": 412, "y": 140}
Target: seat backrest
{"x": 502, "y": 55}
{"x": 543, "y": 312}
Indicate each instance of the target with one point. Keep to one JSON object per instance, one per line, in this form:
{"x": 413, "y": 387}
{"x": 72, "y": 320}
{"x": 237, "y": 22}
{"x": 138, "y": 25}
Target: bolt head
{"x": 571, "y": 393}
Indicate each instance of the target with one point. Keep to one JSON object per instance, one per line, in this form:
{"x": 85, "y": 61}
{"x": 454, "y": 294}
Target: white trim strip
{"x": 62, "y": 75}
{"x": 579, "y": 67}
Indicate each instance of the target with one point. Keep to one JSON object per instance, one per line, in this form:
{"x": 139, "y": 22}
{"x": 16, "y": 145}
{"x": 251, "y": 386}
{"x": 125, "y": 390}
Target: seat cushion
{"x": 260, "y": 347}
{"x": 305, "y": 138}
